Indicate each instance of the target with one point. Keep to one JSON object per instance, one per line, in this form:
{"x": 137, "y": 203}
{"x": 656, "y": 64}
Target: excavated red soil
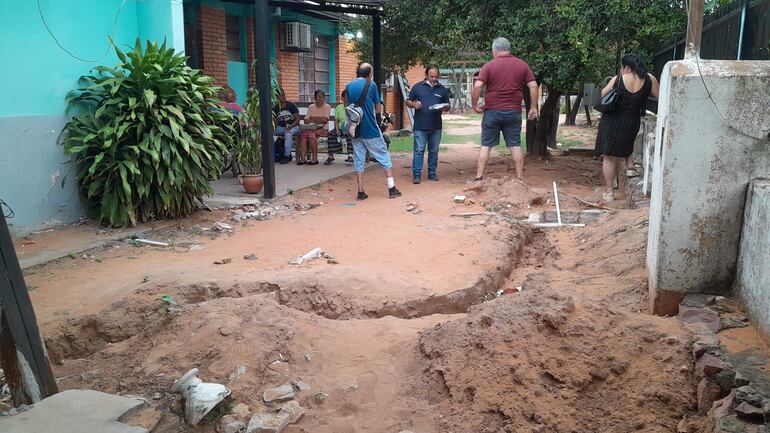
{"x": 406, "y": 332}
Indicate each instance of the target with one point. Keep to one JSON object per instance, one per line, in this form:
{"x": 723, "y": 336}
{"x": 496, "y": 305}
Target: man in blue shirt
{"x": 425, "y": 98}
{"x": 370, "y": 137}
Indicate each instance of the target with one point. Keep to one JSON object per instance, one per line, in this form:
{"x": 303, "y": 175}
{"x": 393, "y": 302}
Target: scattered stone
{"x": 226, "y": 330}
{"x": 619, "y": 367}
{"x": 748, "y": 394}
{"x": 235, "y": 427}
{"x": 709, "y": 365}
{"x": 250, "y": 257}
{"x": 89, "y": 376}
{"x": 730, "y": 323}
{"x": 300, "y": 386}
{"x": 223, "y": 261}
{"x": 704, "y": 344}
{"x": 222, "y": 227}
{"x": 348, "y": 385}
{"x": 170, "y": 423}
{"x": 157, "y": 396}
{"x": 708, "y": 393}
{"x": 698, "y": 300}
{"x": 745, "y": 410}
{"x": 698, "y": 329}
{"x": 741, "y": 380}
{"x": 672, "y": 341}
{"x": 411, "y": 206}
{"x": 459, "y": 199}
{"x": 293, "y": 410}
{"x": 725, "y": 379}
{"x": 240, "y": 411}
{"x": 282, "y": 393}
{"x": 700, "y": 315}
{"x": 724, "y": 407}
{"x": 279, "y": 367}
{"x": 267, "y": 423}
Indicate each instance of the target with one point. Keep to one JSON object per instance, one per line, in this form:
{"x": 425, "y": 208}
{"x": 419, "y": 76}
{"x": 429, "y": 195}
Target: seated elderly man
{"x": 287, "y": 115}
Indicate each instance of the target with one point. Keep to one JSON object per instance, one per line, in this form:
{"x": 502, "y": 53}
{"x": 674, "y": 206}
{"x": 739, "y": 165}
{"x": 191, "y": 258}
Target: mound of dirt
{"x": 512, "y": 197}
{"x": 537, "y": 362}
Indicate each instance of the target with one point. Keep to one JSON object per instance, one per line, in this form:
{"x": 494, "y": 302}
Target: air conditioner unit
{"x": 299, "y": 36}
{"x": 292, "y": 36}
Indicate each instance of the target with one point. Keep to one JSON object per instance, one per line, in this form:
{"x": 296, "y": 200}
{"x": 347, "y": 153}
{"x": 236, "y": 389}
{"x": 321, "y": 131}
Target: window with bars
{"x": 233, "y": 29}
{"x": 314, "y": 70}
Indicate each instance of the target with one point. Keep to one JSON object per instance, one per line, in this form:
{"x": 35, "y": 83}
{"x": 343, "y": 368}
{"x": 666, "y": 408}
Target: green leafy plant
{"x": 248, "y": 145}
{"x": 149, "y": 136}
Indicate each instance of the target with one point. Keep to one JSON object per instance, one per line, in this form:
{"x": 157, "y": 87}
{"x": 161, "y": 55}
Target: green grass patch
{"x": 567, "y": 143}
{"x": 406, "y": 144}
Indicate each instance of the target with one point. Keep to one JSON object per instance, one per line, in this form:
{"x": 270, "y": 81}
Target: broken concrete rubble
{"x": 267, "y": 423}
{"x": 279, "y": 394}
{"x": 293, "y": 410}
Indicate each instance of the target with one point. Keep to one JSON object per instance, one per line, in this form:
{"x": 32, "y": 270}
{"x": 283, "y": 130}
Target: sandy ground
{"x": 404, "y": 332}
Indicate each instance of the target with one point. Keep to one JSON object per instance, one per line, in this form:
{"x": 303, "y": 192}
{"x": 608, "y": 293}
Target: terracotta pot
{"x": 252, "y": 183}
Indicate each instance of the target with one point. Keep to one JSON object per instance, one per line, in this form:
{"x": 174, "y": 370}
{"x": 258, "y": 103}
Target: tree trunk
{"x": 588, "y": 115}
{"x": 545, "y": 135}
{"x": 573, "y": 111}
{"x": 531, "y": 124}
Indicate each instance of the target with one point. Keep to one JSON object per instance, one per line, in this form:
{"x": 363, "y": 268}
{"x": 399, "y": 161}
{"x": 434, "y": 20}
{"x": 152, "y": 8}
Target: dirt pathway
{"x": 405, "y": 332}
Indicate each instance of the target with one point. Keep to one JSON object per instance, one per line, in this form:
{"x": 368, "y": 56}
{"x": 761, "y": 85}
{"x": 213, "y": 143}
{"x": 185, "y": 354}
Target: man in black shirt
{"x": 287, "y": 115}
{"x": 430, "y": 100}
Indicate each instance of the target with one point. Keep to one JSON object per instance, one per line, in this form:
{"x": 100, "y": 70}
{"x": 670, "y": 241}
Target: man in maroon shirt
{"x": 504, "y": 77}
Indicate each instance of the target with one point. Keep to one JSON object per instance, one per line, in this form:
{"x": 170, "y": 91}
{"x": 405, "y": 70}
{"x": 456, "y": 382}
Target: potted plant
{"x": 249, "y": 149}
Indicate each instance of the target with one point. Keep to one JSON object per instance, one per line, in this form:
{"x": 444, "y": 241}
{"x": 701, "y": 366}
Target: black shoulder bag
{"x": 610, "y": 100}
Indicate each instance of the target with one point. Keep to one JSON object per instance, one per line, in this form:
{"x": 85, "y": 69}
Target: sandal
{"x": 312, "y": 163}
{"x": 301, "y": 162}
{"x": 328, "y": 161}
{"x": 608, "y": 196}
{"x": 631, "y": 172}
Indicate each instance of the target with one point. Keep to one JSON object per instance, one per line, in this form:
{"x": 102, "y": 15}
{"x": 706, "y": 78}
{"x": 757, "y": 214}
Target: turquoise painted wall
{"x": 37, "y": 74}
{"x": 238, "y": 79}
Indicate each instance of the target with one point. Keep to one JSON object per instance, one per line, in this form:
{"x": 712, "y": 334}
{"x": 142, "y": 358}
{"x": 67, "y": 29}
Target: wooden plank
{"x": 19, "y": 316}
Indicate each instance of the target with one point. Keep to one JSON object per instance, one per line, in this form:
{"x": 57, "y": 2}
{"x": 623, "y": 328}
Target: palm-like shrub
{"x": 149, "y": 137}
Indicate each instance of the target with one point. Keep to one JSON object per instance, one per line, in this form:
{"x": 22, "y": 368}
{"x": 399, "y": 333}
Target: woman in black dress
{"x": 618, "y": 128}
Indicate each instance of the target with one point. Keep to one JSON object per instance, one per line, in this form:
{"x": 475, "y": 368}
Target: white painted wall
{"x": 702, "y": 168}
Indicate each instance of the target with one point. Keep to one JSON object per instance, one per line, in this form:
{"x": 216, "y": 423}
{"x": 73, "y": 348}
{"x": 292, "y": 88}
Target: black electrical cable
{"x": 109, "y": 45}
{"x": 10, "y": 213}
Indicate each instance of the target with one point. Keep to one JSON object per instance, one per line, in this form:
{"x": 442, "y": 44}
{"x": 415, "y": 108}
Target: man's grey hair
{"x": 500, "y": 45}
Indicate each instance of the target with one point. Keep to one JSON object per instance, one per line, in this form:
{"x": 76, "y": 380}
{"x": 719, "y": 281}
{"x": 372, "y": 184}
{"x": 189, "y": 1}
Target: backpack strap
{"x": 361, "y": 100}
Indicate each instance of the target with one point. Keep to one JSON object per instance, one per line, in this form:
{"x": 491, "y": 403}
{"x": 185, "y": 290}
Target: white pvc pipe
{"x": 556, "y": 196}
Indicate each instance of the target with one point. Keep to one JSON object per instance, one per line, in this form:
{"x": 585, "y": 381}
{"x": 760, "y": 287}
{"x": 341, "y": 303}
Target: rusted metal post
{"x": 694, "y": 28}
{"x": 22, "y": 353}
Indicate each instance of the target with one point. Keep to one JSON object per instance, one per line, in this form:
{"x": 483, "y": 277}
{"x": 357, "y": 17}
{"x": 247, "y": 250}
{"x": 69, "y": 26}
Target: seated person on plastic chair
{"x": 318, "y": 116}
{"x": 287, "y": 115}
{"x": 340, "y": 126}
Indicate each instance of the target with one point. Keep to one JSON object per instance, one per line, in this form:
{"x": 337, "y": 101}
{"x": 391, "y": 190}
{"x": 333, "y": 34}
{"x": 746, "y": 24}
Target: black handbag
{"x": 610, "y": 100}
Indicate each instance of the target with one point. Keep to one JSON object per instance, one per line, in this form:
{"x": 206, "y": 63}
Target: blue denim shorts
{"x": 496, "y": 121}
{"x": 376, "y": 147}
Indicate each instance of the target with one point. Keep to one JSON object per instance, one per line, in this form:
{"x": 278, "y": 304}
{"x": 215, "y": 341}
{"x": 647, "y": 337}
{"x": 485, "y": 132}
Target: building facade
{"x": 47, "y": 49}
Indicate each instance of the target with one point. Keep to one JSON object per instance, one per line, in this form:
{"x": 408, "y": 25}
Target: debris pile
{"x": 265, "y": 211}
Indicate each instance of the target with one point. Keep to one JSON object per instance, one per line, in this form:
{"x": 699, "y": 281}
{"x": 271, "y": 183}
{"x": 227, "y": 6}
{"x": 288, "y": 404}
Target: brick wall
{"x": 214, "y": 44}
{"x": 414, "y": 75}
{"x": 346, "y": 63}
{"x": 288, "y": 67}
{"x": 250, "y": 50}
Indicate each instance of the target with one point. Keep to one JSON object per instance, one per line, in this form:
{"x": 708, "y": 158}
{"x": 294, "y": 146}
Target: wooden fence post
{"x": 22, "y": 353}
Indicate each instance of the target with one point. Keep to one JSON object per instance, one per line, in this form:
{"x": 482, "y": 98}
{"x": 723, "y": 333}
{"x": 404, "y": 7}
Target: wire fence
{"x": 737, "y": 31}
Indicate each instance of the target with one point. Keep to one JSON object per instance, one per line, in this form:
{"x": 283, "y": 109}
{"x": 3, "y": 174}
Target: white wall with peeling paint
{"x": 702, "y": 168}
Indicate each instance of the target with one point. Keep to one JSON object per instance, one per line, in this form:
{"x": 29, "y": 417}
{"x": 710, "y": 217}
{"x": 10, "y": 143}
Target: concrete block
{"x": 268, "y": 423}
{"x": 75, "y": 411}
{"x": 753, "y": 280}
{"x": 282, "y": 393}
{"x": 701, "y": 169}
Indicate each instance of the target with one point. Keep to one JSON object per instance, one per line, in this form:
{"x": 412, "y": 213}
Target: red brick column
{"x": 288, "y": 68}
{"x": 214, "y": 44}
{"x": 250, "y": 49}
{"x": 346, "y": 63}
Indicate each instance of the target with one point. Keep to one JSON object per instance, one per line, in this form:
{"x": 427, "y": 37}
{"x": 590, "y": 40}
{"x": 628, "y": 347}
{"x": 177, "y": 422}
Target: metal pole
{"x": 22, "y": 354}
{"x": 744, "y": 9}
{"x": 377, "y": 49}
{"x": 694, "y": 28}
{"x": 262, "y": 55}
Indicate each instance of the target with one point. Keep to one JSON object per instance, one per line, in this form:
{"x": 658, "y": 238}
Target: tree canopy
{"x": 565, "y": 42}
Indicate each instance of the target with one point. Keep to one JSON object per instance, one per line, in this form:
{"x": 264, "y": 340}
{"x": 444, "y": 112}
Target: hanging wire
{"x": 110, "y": 44}
{"x": 10, "y": 213}
{"x": 703, "y": 80}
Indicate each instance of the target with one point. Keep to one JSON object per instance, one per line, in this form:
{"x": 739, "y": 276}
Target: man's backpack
{"x": 355, "y": 113}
